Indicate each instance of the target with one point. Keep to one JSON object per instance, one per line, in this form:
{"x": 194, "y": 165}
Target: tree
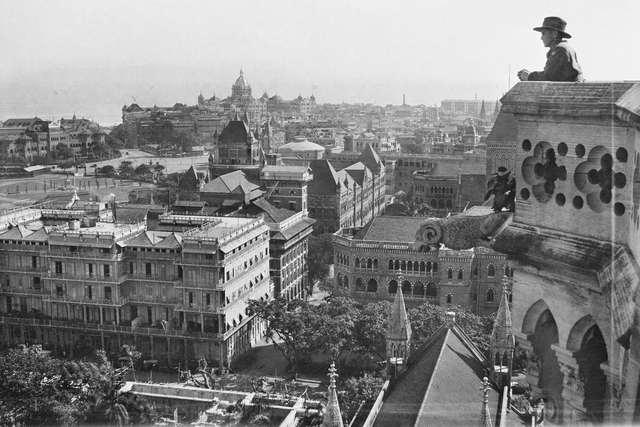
{"x": 143, "y": 169}
{"x": 370, "y": 329}
{"x": 320, "y": 257}
{"x": 126, "y": 169}
{"x": 36, "y": 389}
{"x": 106, "y": 170}
{"x": 427, "y": 318}
{"x": 295, "y": 323}
{"x": 354, "y": 391}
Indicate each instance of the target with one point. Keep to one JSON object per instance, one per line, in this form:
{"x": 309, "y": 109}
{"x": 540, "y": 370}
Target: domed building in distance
{"x": 241, "y": 89}
{"x": 303, "y": 149}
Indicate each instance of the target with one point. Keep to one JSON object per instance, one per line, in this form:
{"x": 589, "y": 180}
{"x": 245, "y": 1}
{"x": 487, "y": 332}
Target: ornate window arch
{"x": 460, "y": 273}
{"x": 449, "y": 298}
{"x": 432, "y": 290}
{"x": 450, "y": 273}
{"x": 393, "y": 286}
{"x": 372, "y": 285}
{"x": 491, "y": 270}
{"x": 490, "y": 295}
{"x": 360, "y": 285}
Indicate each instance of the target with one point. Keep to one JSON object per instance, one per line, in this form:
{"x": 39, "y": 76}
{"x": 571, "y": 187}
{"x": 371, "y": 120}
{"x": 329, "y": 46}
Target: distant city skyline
{"x": 92, "y": 58}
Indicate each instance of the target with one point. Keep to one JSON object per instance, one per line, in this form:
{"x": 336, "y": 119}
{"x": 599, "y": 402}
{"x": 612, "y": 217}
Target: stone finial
{"x": 332, "y": 416}
{"x": 450, "y": 317}
{"x": 485, "y": 414}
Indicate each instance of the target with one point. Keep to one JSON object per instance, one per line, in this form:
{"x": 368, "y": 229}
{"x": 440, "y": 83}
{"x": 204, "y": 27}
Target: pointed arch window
{"x": 490, "y": 295}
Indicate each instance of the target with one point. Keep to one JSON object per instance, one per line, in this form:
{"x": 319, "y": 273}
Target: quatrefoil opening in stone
{"x": 542, "y": 171}
{"x": 597, "y": 178}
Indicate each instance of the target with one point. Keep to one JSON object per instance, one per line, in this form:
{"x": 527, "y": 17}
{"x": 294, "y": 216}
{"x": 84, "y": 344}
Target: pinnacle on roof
{"x": 485, "y": 413}
{"x": 332, "y": 416}
{"x": 399, "y": 327}
{"x": 501, "y": 336}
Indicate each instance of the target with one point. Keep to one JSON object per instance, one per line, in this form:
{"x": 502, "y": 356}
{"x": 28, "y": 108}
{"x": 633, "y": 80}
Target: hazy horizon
{"x": 90, "y": 59}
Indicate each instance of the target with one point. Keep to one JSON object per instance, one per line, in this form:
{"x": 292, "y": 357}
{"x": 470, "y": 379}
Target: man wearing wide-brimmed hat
{"x": 562, "y": 61}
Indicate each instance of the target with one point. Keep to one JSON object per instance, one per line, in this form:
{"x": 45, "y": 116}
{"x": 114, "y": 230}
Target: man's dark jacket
{"x": 562, "y": 65}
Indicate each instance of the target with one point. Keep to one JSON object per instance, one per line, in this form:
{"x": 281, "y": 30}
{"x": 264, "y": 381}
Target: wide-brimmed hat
{"x": 555, "y": 24}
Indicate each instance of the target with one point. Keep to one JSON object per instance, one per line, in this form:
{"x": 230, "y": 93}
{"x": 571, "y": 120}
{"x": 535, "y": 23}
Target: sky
{"x": 90, "y": 58}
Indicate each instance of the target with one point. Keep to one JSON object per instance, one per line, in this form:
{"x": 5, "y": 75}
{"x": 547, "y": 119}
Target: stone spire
{"x": 398, "y": 333}
{"x": 502, "y": 341}
{"x": 485, "y": 414}
{"x": 483, "y": 112}
{"x": 332, "y": 417}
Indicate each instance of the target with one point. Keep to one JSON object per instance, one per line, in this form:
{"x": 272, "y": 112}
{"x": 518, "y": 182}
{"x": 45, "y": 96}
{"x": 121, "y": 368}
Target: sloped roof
{"x": 390, "y": 229}
{"x": 325, "y": 179}
{"x": 371, "y": 159}
{"x": 357, "y": 171}
{"x": 229, "y": 182}
{"x": 40, "y": 235}
{"x": 440, "y": 386}
{"x": 235, "y": 131}
{"x": 16, "y": 233}
{"x": 505, "y": 129}
{"x": 158, "y": 239}
{"x": 273, "y": 214}
{"x": 190, "y": 180}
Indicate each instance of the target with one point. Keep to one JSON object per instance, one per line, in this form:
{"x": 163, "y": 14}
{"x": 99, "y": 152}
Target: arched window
{"x": 416, "y": 267}
{"x": 357, "y": 262}
{"x": 346, "y": 282}
{"x": 369, "y": 263}
{"x": 375, "y": 263}
{"x": 489, "y": 295}
{"x": 410, "y": 266}
{"x": 449, "y": 298}
{"x": 406, "y": 287}
{"x": 460, "y": 274}
{"x": 403, "y": 265}
{"x": 339, "y": 280}
{"x": 429, "y": 267}
{"x": 491, "y": 270}
{"x": 434, "y": 204}
{"x": 435, "y": 267}
{"x": 390, "y": 264}
{"x": 418, "y": 289}
{"x": 441, "y": 204}
{"x": 359, "y": 285}
{"x": 423, "y": 267}
{"x": 450, "y": 273}
{"x": 475, "y": 271}
{"x": 432, "y": 290}
{"x": 372, "y": 286}
{"x": 449, "y": 204}
{"x": 397, "y": 265}
{"x": 393, "y": 286}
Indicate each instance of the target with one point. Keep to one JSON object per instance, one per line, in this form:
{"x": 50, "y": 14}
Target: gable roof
{"x": 232, "y": 182}
{"x": 325, "y": 179}
{"x": 190, "y": 180}
{"x": 370, "y": 158}
{"x": 440, "y": 386}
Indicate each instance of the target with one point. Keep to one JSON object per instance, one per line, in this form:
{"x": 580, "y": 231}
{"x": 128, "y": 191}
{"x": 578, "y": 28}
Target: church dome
{"x": 241, "y": 82}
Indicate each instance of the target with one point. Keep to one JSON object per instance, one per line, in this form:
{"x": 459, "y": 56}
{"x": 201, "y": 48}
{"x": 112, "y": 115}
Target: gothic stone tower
{"x": 575, "y": 238}
{"x": 502, "y": 342}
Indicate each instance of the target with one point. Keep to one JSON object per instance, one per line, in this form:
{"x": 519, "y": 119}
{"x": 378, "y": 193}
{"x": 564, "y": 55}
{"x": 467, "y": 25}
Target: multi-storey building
{"x": 350, "y": 197}
{"x": 465, "y": 106}
{"x": 373, "y": 261}
{"x": 175, "y": 296}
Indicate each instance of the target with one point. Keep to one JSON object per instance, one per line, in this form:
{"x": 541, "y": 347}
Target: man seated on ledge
{"x": 562, "y": 61}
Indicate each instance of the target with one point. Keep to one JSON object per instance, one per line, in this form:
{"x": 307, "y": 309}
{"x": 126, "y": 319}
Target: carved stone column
{"x": 574, "y": 412}
{"x": 614, "y": 404}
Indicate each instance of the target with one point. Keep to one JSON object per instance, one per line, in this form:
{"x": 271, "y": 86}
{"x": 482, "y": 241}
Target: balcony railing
{"x": 195, "y": 308}
{"x": 84, "y": 255}
{"x": 107, "y": 327}
{"x": 86, "y": 278}
{"x": 28, "y": 291}
{"x": 16, "y": 269}
{"x": 83, "y": 300}
{"x": 150, "y": 299}
{"x": 153, "y": 277}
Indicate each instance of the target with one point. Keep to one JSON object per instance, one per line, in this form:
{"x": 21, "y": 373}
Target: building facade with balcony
{"x": 175, "y": 296}
{"x": 373, "y": 261}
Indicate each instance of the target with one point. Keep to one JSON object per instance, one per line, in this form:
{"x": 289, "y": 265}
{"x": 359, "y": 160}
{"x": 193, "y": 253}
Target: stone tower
{"x": 398, "y": 335}
{"x": 502, "y": 342}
